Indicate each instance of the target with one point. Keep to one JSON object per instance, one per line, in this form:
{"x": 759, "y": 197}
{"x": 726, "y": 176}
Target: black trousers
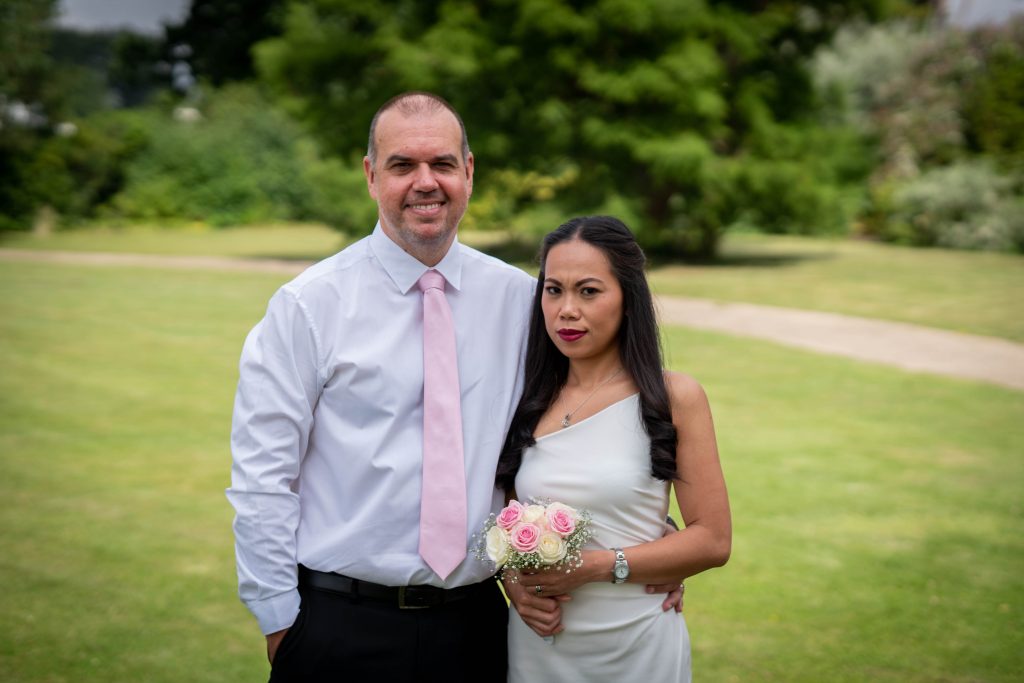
{"x": 340, "y": 638}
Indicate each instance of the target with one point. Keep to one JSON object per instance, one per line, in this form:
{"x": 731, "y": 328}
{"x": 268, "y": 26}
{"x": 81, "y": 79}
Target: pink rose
{"x": 525, "y": 536}
{"x": 561, "y": 520}
{"x": 510, "y": 515}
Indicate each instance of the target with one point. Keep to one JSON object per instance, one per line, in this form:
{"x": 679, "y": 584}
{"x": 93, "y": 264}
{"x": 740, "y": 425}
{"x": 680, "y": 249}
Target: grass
{"x": 876, "y": 516}
{"x": 303, "y": 241}
{"x": 116, "y": 393}
{"x": 979, "y": 293}
{"x": 877, "y": 512}
{"x": 972, "y": 292}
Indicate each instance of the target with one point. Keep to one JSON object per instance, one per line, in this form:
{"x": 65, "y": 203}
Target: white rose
{"x": 497, "y": 545}
{"x": 551, "y": 548}
{"x": 535, "y": 515}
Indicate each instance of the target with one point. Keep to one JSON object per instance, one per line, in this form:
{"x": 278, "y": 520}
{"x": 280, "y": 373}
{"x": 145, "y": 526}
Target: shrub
{"x": 967, "y": 205}
{"x": 239, "y": 160}
{"x": 943, "y": 108}
{"x": 77, "y": 172}
{"x": 73, "y": 172}
{"x": 994, "y": 108}
{"x": 902, "y": 87}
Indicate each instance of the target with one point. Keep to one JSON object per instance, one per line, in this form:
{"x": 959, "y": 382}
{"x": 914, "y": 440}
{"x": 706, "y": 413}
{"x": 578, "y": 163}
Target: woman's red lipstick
{"x": 569, "y": 334}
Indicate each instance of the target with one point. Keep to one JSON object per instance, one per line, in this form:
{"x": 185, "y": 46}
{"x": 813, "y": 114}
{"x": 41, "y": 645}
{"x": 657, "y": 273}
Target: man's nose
{"x": 424, "y": 180}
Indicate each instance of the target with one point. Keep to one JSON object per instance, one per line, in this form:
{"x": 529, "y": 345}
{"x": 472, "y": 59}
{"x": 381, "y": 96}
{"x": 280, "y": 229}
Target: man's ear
{"x": 370, "y": 177}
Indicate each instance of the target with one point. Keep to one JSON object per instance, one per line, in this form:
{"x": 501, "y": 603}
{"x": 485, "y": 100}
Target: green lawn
{"x": 287, "y": 241}
{"x": 979, "y": 293}
{"x": 877, "y": 521}
{"x": 974, "y": 292}
{"x": 877, "y": 513}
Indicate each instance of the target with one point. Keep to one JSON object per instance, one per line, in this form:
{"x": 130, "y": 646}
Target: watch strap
{"x": 620, "y": 570}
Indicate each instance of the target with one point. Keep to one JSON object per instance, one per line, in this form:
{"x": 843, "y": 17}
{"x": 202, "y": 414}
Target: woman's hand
{"x": 596, "y": 566}
{"x": 542, "y": 613}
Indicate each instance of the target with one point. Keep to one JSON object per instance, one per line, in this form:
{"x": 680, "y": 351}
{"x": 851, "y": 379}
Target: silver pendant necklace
{"x": 568, "y": 416}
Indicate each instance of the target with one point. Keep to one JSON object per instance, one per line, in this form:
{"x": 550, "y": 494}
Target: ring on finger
{"x": 538, "y": 589}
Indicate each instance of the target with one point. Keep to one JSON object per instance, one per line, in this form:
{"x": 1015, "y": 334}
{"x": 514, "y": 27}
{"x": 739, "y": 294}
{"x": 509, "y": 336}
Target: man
{"x": 327, "y": 434}
{"x": 329, "y": 437}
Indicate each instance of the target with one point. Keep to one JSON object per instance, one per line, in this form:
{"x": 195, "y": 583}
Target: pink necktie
{"x": 443, "y": 498}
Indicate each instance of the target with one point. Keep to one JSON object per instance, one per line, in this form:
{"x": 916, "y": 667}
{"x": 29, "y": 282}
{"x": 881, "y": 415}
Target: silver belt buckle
{"x": 401, "y": 600}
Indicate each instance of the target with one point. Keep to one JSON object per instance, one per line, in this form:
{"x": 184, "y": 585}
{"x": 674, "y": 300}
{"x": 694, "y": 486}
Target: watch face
{"x": 621, "y": 572}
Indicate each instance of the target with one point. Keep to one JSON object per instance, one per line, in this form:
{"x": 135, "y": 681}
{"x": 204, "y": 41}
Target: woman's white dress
{"x": 613, "y": 633}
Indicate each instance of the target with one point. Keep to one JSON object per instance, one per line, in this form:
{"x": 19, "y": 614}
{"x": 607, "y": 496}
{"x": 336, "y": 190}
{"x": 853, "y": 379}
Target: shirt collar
{"x": 405, "y": 270}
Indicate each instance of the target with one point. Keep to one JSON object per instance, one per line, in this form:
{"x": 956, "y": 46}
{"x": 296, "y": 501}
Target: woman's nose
{"x": 569, "y": 310}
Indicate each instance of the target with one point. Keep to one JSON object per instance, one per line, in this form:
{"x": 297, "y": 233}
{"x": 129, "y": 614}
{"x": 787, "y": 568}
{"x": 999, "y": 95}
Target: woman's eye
{"x": 589, "y": 291}
{"x": 552, "y": 290}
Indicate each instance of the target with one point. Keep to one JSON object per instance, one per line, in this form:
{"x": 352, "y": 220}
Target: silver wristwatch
{"x": 620, "y": 572}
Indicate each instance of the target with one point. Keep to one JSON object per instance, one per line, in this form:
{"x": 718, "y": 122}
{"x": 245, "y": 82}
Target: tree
{"x": 221, "y": 34}
{"x": 24, "y": 40}
{"x": 681, "y": 113}
{"x": 25, "y": 69}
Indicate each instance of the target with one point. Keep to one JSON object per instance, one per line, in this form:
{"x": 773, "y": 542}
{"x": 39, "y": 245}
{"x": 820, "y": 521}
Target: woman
{"x": 602, "y": 427}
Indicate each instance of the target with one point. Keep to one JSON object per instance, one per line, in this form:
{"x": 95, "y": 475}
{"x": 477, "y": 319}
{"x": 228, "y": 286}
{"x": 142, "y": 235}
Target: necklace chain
{"x": 566, "y": 421}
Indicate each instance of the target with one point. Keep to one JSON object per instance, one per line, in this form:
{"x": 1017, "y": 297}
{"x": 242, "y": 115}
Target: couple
{"x": 329, "y": 434}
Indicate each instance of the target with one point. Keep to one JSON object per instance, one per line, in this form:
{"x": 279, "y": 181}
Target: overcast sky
{"x": 147, "y": 16}
{"x": 974, "y": 12}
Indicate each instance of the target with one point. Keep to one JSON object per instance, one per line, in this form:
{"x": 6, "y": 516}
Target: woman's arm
{"x": 706, "y": 539}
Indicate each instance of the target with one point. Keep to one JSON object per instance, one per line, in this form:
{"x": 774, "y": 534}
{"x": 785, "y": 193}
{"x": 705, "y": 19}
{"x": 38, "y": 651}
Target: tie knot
{"x": 431, "y": 280}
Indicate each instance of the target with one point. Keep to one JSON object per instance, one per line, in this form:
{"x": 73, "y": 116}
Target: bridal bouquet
{"x": 534, "y": 536}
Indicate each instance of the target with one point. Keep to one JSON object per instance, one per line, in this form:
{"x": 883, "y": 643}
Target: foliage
{"x": 61, "y": 148}
{"x": 25, "y": 67}
{"x": 994, "y": 106}
{"x": 98, "y": 70}
{"x": 24, "y": 38}
{"x": 238, "y": 161}
{"x": 16, "y": 202}
{"x": 220, "y": 34}
{"x": 675, "y": 107}
{"x": 75, "y": 173}
{"x": 935, "y": 101}
{"x": 901, "y": 85}
{"x": 965, "y": 205}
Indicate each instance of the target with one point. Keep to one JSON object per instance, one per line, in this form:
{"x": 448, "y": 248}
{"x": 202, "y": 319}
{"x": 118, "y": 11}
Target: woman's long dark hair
{"x": 639, "y": 350}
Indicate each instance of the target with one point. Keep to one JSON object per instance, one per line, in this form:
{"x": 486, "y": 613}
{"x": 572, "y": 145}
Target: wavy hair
{"x": 547, "y": 369}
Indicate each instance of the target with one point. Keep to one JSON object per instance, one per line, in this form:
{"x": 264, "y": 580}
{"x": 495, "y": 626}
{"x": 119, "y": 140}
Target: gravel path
{"x": 910, "y": 347}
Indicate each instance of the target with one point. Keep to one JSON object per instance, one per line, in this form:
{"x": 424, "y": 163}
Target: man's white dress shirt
{"x": 327, "y": 431}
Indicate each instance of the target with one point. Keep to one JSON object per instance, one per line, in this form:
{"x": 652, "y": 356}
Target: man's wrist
{"x": 276, "y": 613}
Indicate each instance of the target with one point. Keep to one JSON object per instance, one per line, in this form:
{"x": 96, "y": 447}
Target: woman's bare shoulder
{"x": 684, "y": 390}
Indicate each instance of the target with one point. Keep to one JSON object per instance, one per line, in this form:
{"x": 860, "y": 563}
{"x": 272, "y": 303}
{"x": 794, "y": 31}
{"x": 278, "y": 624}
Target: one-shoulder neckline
{"x": 587, "y": 419}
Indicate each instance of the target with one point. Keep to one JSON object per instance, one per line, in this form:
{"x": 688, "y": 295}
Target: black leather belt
{"x": 403, "y": 597}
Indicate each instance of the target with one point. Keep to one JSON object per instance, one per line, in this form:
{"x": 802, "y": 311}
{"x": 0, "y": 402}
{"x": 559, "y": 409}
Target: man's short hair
{"x": 412, "y": 103}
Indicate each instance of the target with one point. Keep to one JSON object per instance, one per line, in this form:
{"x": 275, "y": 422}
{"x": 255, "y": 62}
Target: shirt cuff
{"x": 276, "y": 613}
